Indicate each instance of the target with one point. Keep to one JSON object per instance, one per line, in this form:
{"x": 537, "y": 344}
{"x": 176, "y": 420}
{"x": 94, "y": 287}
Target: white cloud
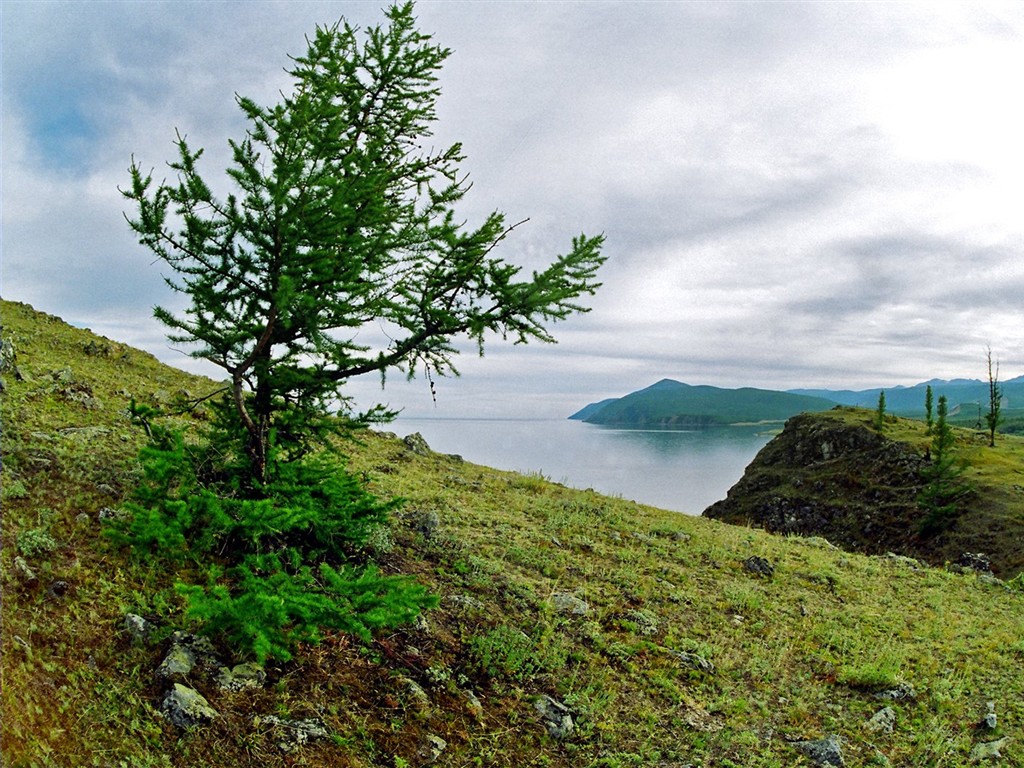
{"x": 794, "y": 194}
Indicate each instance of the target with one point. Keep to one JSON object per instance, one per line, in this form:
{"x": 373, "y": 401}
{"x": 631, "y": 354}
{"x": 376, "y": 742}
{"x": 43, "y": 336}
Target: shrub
{"x": 278, "y": 562}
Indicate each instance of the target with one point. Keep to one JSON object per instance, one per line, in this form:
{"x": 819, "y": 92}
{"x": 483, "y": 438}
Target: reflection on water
{"x": 682, "y": 471}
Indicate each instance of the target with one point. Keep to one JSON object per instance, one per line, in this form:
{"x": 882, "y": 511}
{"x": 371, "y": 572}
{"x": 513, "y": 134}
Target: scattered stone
{"x": 736, "y": 620}
{"x": 822, "y": 752}
{"x": 819, "y": 542}
{"x": 473, "y": 705}
{"x": 759, "y": 566}
{"x": 24, "y": 574}
{"x": 139, "y": 628}
{"x": 557, "y": 717}
{"x": 242, "y": 677}
{"x": 989, "y": 750}
{"x": 882, "y": 721}
{"x": 699, "y": 719}
{"x": 9, "y": 359}
{"x": 680, "y": 536}
{"x": 419, "y": 697}
{"x": 431, "y": 748}
{"x": 616, "y": 536}
{"x": 112, "y": 513}
{"x": 989, "y": 721}
{"x": 299, "y": 732}
{"x": 466, "y": 602}
{"x": 177, "y": 664}
{"x": 902, "y": 692}
{"x": 426, "y": 523}
{"x": 83, "y": 519}
{"x": 417, "y": 444}
{"x": 563, "y": 602}
{"x": 902, "y": 560}
{"x": 646, "y": 623}
{"x": 186, "y": 707}
{"x": 187, "y": 652}
{"x": 694, "y": 661}
{"x": 57, "y": 589}
{"x": 975, "y": 562}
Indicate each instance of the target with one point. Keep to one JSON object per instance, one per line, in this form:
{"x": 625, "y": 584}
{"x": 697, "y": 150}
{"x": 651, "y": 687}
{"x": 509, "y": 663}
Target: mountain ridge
{"x": 670, "y": 403}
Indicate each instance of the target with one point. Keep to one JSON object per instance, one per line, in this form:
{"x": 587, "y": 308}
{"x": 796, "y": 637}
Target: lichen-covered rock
{"x": 759, "y": 566}
{"x": 25, "y": 575}
{"x": 882, "y": 721}
{"x": 417, "y": 444}
{"x": 824, "y": 753}
{"x": 902, "y": 692}
{"x": 989, "y": 750}
{"x": 296, "y": 733}
{"x": 473, "y": 705}
{"x": 556, "y": 717}
{"x": 138, "y": 628}
{"x": 989, "y": 721}
{"x": 186, "y": 707}
{"x": 188, "y": 653}
{"x": 417, "y": 696}
{"x": 432, "y": 748}
{"x": 694, "y": 661}
{"x": 563, "y": 602}
{"x": 241, "y": 677}
{"x": 425, "y": 523}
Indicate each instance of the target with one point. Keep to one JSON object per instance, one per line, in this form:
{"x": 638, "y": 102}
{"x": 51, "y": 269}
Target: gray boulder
{"x": 241, "y": 677}
{"x": 296, "y": 733}
{"x": 694, "y": 661}
{"x": 188, "y": 653}
{"x": 882, "y": 721}
{"x": 25, "y": 575}
{"x": 186, "y": 707}
{"x": 431, "y": 748}
{"x": 557, "y": 717}
{"x": 824, "y": 753}
{"x": 139, "y": 629}
{"x": 902, "y": 692}
{"x": 417, "y": 444}
{"x": 759, "y": 566}
{"x": 563, "y": 602}
{"x": 989, "y": 750}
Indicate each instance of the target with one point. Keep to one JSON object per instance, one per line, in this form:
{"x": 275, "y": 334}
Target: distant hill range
{"x": 670, "y": 404}
{"x": 673, "y": 405}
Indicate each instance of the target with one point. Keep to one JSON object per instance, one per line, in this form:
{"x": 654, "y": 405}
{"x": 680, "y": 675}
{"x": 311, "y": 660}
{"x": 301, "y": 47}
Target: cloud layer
{"x": 793, "y": 194}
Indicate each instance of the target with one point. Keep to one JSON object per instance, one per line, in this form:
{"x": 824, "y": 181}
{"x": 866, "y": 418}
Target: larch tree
{"x": 341, "y": 221}
{"x": 340, "y": 224}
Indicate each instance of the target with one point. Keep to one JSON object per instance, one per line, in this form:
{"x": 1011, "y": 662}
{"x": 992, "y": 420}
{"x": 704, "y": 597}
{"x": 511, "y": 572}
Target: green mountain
{"x": 909, "y": 401}
{"x": 671, "y": 404}
{"x": 574, "y": 629}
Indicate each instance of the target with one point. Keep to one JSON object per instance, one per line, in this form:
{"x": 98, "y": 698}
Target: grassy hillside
{"x": 970, "y": 396}
{"x": 685, "y": 650}
{"x": 672, "y": 404}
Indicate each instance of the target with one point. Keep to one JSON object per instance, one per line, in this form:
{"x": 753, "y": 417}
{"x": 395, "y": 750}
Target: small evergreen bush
{"x": 272, "y": 563}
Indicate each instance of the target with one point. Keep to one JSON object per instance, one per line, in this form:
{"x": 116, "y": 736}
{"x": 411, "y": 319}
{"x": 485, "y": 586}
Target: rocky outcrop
{"x": 825, "y": 477}
{"x": 834, "y": 476}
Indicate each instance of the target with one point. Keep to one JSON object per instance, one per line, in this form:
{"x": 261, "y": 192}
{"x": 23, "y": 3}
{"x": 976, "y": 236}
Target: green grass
{"x": 799, "y": 655}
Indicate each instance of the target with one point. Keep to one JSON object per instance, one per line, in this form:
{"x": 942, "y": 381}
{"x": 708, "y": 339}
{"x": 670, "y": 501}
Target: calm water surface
{"x": 681, "y": 471}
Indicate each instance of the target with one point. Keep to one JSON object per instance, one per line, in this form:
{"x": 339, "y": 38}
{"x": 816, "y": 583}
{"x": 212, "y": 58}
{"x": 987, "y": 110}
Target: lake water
{"x": 681, "y": 471}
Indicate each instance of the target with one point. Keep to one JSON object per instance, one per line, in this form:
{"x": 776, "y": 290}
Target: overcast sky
{"x": 793, "y": 194}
